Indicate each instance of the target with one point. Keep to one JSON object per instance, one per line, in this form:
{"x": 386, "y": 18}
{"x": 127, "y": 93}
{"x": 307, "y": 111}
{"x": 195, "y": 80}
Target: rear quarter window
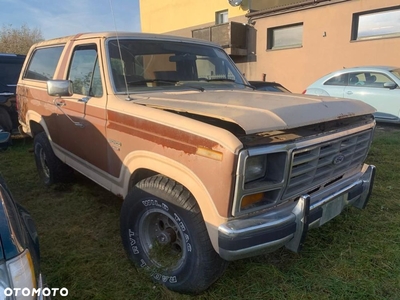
{"x": 43, "y": 63}
{"x": 337, "y": 80}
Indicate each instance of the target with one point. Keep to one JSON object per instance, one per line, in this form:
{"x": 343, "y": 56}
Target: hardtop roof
{"x": 121, "y": 35}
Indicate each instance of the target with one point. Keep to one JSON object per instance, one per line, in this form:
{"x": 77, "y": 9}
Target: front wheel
{"x": 164, "y": 233}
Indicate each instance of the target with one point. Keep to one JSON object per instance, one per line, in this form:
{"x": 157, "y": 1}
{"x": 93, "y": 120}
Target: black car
{"x": 4, "y": 140}
{"x": 19, "y": 250}
{"x": 268, "y": 86}
{"x": 10, "y": 67}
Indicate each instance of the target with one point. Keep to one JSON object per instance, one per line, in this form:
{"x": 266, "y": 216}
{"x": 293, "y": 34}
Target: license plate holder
{"x": 333, "y": 208}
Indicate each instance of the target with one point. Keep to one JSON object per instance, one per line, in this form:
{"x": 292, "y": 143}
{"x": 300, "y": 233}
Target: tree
{"x": 18, "y": 40}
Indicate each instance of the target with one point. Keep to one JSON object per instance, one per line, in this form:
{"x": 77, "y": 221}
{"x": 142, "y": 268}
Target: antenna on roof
{"x": 128, "y": 98}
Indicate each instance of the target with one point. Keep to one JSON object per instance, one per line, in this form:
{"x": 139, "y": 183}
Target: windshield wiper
{"x": 230, "y": 80}
{"x": 172, "y": 82}
{"x": 143, "y": 81}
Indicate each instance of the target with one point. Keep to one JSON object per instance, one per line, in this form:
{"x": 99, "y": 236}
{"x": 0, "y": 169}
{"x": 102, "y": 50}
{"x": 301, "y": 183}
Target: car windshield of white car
{"x": 396, "y": 73}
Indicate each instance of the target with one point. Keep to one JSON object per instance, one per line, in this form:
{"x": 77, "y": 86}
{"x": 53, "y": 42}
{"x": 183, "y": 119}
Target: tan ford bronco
{"x": 210, "y": 170}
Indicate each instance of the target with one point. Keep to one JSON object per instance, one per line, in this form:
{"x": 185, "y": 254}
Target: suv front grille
{"x": 314, "y": 164}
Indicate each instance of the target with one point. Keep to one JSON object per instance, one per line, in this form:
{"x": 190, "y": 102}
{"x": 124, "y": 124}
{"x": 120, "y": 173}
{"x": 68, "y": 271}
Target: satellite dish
{"x": 235, "y": 2}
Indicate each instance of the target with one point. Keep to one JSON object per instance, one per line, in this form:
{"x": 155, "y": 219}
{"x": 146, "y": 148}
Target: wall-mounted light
{"x": 235, "y": 2}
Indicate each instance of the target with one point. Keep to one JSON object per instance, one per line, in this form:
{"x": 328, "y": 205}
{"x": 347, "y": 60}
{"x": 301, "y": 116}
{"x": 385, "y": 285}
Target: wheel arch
{"x": 35, "y": 124}
{"x": 143, "y": 164}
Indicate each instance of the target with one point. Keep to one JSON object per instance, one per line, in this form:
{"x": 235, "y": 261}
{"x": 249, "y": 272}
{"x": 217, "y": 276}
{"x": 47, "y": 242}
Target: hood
{"x": 256, "y": 111}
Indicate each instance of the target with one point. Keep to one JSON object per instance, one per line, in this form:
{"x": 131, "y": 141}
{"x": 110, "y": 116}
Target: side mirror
{"x": 59, "y": 88}
{"x": 390, "y": 85}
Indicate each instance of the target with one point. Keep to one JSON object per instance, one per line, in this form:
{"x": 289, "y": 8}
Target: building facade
{"x": 293, "y": 42}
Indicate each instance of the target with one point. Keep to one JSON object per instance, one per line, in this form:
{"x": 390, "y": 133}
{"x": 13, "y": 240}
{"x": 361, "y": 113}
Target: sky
{"x": 56, "y": 18}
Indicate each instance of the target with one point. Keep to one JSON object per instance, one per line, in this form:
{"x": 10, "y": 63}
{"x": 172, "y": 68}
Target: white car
{"x": 378, "y": 86}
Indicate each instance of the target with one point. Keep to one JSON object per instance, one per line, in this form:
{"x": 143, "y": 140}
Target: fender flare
{"x": 176, "y": 171}
{"x": 35, "y": 117}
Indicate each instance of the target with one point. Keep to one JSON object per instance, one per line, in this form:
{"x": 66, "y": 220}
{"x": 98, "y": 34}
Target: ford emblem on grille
{"x": 338, "y": 159}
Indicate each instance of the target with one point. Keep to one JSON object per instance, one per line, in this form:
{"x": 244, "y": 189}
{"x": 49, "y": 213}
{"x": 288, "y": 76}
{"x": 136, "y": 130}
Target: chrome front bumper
{"x": 287, "y": 225}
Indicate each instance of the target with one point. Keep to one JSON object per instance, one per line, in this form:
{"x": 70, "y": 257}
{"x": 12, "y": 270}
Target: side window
{"x": 84, "y": 71}
{"x": 369, "y": 79}
{"x": 337, "y": 80}
{"x": 356, "y": 79}
{"x": 377, "y": 80}
{"x": 97, "y": 87}
{"x": 10, "y": 68}
{"x": 43, "y": 63}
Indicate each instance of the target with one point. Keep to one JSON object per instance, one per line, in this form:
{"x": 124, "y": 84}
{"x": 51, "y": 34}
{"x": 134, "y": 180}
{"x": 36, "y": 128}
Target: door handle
{"x": 84, "y": 99}
{"x": 349, "y": 92}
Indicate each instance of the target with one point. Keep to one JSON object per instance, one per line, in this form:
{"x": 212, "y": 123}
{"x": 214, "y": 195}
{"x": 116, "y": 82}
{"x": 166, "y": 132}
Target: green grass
{"x": 355, "y": 256}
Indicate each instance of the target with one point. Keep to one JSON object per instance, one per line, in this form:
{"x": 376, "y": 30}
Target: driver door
{"x": 82, "y": 119}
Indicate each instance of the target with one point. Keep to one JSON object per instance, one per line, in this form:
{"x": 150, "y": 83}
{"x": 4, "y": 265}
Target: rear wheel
{"x": 164, "y": 233}
{"x": 51, "y": 169}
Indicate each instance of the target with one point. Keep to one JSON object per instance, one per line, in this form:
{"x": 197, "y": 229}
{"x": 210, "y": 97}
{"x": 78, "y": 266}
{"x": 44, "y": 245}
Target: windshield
{"x": 396, "y": 73}
{"x": 143, "y": 65}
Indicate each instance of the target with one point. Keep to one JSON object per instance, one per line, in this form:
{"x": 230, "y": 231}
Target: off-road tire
{"x": 5, "y": 120}
{"x": 51, "y": 169}
{"x": 160, "y": 213}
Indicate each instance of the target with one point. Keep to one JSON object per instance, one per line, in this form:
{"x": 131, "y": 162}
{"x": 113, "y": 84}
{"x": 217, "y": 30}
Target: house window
{"x": 376, "y": 24}
{"x": 290, "y": 36}
{"x": 221, "y": 17}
